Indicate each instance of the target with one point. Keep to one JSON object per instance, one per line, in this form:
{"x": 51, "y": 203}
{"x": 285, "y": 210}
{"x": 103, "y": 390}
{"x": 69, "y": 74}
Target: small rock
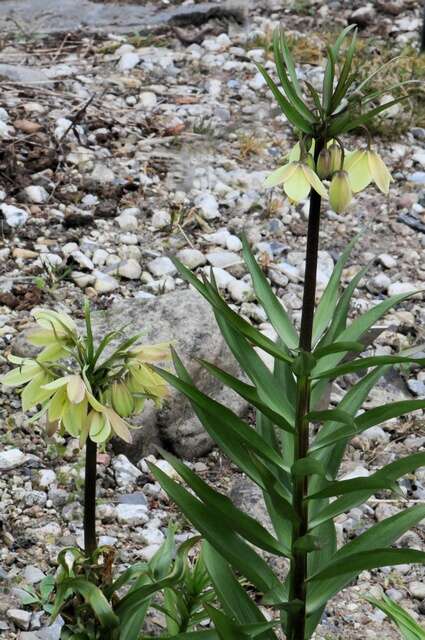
{"x": 126, "y": 473}
{"x": 99, "y": 257}
{"x": 358, "y": 472}
{"x": 127, "y": 222}
{"x": 130, "y": 269}
{"x": 233, "y": 243}
{"x": 36, "y": 194}
{"x": 208, "y": 205}
{"x": 11, "y": 458}
{"x": 128, "y": 61}
{"x": 102, "y": 173}
{"x": 223, "y": 259}
{"x": 161, "y": 219}
{"x": 376, "y": 434}
{"x": 46, "y": 478}
{"x": 148, "y": 99}
{"x": 417, "y": 589}
{"x": 20, "y": 617}
{"x": 138, "y": 497}
{"x": 397, "y": 288}
{"x": 363, "y": 15}
{"x": 132, "y": 514}
{"x": 33, "y": 575}
{"x": 418, "y": 177}
{"x": 14, "y": 216}
{"x": 241, "y": 291}
{"x": 379, "y": 283}
{"x": 162, "y": 267}
{"x": 191, "y": 258}
{"x": 105, "y": 283}
{"x": 387, "y": 261}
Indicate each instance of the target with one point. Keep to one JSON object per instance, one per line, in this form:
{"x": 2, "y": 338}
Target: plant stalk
{"x": 90, "y": 542}
{"x": 297, "y": 620}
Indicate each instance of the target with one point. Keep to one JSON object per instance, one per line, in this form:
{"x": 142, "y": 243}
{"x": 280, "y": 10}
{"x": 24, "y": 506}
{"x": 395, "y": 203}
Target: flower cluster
{"x": 348, "y": 173}
{"x": 78, "y": 392}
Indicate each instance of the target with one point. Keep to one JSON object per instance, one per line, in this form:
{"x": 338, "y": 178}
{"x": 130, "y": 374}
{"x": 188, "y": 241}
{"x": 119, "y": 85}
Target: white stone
{"x": 11, "y": 458}
{"x": 419, "y": 157}
{"x": 213, "y": 86}
{"x": 289, "y": 270}
{"x": 241, "y": 291}
{"x": 376, "y": 434}
{"x": 14, "y": 216}
{"x": 223, "y": 259}
{"x": 128, "y": 61}
{"x": 162, "y": 267}
{"x": 208, "y": 205}
{"x": 387, "y": 261}
{"x": 127, "y": 222}
{"x": 233, "y": 243}
{"x": 257, "y": 82}
{"x": 167, "y": 469}
{"x": 126, "y": 473}
{"x": 417, "y": 589}
{"x": 46, "y": 478}
{"x": 191, "y": 258}
{"x": 222, "y": 278}
{"x": 401, "y": 287}
{"x": 36, "y": 194}
{"x": 69, "y": 248}
{"x": 105, "y": 283}
{"x": 132, "y": 514}
{"x": 33, "y": 575}
{"x": 147, "y": 553}
{"x": 82, "y": 260}
{"x": 219, "y": 237}
{"x": 82, "y": 279}
{"x": 148, "y": 99}
{"x": 358, "y": 472}
{"x": 130, "y": 269}
{"x": 99, "y": 257}
{"x": 152, "y": 535}
{"x": 20, "y": 617}
{"x": 161, "y": 219}
{"x": 102, "y": 173}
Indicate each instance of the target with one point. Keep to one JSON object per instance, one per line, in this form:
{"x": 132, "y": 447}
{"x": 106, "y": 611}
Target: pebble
{"x": 130, "y": 269}
{"x": 132, "y": 514}
{"x": 20, "y": 617}
{"x": 223, "y": 259}
{"x": 161, "y": 219}
{"x": 387, "y": 261}
{"x": 36, "y": 194}
{"x": 128, "y": 61}
{"x": 222, "y": 277}
{"x": 105, "y": 283}
{"x": 33, "y": 575}
{"x": 162, "y": 266}
{"x": 418, "y": 177}
{"x": 379, "y": 283}
{"x": 148, "y": 99}
{"x": 127, "y": 222}
{"x": 397, "y": 288}
{"x": 417, "y": 589}
{"x": 126, "y": 473}
{"x": 241, "y": 291}
{"x": 14, "y": 216}
{"x": 208, "y": 205}
{"x": 11, "y": 458}
{"x": 233, "y": 243}
{"x": 191, "y": 258}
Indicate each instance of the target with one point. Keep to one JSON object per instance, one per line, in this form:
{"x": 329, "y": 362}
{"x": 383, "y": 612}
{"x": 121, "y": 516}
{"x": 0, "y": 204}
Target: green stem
{"x": 90, "y": 542}
{"x": 297, "y": 620}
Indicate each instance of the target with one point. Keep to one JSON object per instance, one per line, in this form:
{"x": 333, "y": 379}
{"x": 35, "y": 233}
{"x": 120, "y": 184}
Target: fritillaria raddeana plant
{"x": 83, "y": 392}
{"x": 295, "y": 451}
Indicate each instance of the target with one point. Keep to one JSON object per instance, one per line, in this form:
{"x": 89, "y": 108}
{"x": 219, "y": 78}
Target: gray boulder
{"x": 186, "y": 318}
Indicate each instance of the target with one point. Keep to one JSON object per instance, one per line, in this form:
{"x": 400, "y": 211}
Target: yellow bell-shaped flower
{"x": 297, "y": 179}
{"x": 340, "y": 192}
{"x": 366, "y": 166}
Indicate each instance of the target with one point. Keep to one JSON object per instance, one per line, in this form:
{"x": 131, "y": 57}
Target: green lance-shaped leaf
{"x": 337, "y": 128}
{"x": 276, "y": 397}
{"x": 336, "y": 415}
{"x": 270, "y": 303}
{"x": 382, "y": 479}
{"x": 408, "y": 627}
{"x": 289, "y": 62}
{"x": 286, "y": 107}
{"x": 92, "y": 595}
{"x": 358, "y": 328}
{"x": 225, "y": 418}
{"x": 227, "y": 440}
{"x": 338, "y": 347}
{"x": 223, "y": 309}
{"x": 343, "y": 81}
{"x": 328, "y": 81}
{"x": 233, "y": 598}
{"x": 335, "y": 508}
{"x": 297, "y": 102}
{"x": 249, "y": 393}
{"x": 235, "y": 519}
{"x": 227, "y": 629}
{"x": 366, "y": 420}
{"x": 381, "y": 535}
{"x": 360, "y": 364}
{"x": 372, "y": 559}
{"x": 240, "y": 555}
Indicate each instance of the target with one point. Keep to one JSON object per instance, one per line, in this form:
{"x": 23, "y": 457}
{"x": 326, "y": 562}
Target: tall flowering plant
{"x": 295, "y": 451}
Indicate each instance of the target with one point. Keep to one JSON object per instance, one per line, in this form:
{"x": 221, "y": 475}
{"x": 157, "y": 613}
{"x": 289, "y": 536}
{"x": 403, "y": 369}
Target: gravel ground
{"x": 121, "y": 150}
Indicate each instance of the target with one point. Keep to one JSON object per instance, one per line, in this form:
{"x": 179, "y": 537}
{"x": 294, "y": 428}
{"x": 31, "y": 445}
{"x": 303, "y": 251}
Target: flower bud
{"x": 324, "y": 164}
{"x": 340, "y": 193}
{"x": 336, "y": 157}
{"x": 122, "y": 400}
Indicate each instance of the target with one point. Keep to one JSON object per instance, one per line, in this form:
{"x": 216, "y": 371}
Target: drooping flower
{"x": 335, "y": 157}
{"x": 56, "y": 332}
{"x": 297, "y": 179}
{"x": 366, "y": 166}
{"x": 340, "y": 192}
{"x": 324, "y": 164}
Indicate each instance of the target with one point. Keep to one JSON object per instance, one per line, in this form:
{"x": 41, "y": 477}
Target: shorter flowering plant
{"x": 78, "y": 392}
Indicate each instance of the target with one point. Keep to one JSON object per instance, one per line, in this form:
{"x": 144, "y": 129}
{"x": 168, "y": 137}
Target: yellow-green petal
{"x": 74, "y": 416}
{"x": 315, "y": 181}
{"x": 34, "y": 393}
{"x": 76, "y": 389}
{"x": 358, "y": 170}
{"x": 297, "y": 187}
{"x": 281, "y": 175}
{"x": 380, "y": 174}
{"x": 118, "y": 425}
{"x": 57, "y": 405}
